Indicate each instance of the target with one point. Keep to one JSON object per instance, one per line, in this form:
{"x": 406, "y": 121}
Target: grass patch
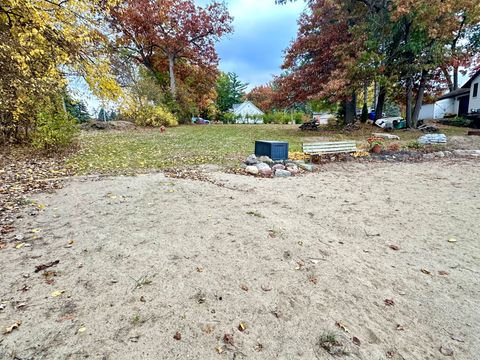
{"x": 148, "y": 149}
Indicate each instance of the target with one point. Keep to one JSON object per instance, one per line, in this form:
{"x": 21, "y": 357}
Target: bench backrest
{"x": 329, "y": 147}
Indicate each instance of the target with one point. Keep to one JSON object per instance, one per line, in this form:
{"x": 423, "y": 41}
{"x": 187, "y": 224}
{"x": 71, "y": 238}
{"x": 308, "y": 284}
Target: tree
{"x": 102, "y": 115}
{"x": 161, "y": 33}
{"x": 230, "y": 91}
{"x": 40, "y": 42}
{"x": 262, "y": 96}
{"x": 77, "y": 109}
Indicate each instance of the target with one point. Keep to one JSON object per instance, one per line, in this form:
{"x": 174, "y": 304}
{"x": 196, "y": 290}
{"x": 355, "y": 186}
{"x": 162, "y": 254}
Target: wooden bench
{"x": 333, "y": 147}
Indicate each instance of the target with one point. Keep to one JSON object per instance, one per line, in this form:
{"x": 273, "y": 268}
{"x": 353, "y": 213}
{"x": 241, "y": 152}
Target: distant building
{"x": 460, "y": 102}
{"x": 247, "y": 113}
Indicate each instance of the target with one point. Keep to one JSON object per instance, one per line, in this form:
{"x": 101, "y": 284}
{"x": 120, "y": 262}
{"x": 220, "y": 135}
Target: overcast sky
{"x": 262, "y": 31}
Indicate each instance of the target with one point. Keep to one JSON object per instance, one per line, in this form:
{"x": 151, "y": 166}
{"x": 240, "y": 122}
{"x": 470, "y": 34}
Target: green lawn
{"x": 143, "y": 150}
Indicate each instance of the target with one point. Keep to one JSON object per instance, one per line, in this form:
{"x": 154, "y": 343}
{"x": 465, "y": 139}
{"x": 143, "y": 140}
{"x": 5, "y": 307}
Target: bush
{"x": 54, "y": 129}
{"x": 152, "y": 115}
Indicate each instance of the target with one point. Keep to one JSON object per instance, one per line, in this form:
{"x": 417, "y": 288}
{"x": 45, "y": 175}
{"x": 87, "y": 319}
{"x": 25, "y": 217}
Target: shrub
{"x": 394, "y": 146}
{"x": 414, "y": 145}
{"x": 54, "y": 129}
{"x": 154, "y": 116}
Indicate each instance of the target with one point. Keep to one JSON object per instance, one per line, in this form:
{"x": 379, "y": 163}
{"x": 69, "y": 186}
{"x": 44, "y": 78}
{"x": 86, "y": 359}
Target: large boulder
{"x": 292, "y": 168}
{"x": 252, "y": 170}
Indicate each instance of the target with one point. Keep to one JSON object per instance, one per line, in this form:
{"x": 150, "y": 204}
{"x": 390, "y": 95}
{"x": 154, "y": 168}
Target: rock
{"x": 292, "y": 170}
{"x": 251, "y": 160}
{"x": 265, "y": 172}
{"x": 282, "y": 173}
{"x": 265, "y": 159}
{"x": 251, "y": 170}
{"x": 439, "y": 154}
{"x": 460, "y": 152}
{"x": 262, "y": 166}
{"x": 298, "y": 162}
{"x": 278, "y": 167}
{"x": 447, "y": 153}
{"x": 446, "y": 351}
{"x": 428, "y": 156}
{"x": 307, "y": 167}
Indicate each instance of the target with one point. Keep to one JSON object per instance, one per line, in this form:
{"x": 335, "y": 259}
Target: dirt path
{"x": 142, "y": 258}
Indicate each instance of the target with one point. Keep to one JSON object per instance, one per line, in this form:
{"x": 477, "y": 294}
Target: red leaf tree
{"x": 159, "y": 33}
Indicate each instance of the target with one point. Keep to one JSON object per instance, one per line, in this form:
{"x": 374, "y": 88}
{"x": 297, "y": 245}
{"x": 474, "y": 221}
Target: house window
{"x": 475, "y": 90}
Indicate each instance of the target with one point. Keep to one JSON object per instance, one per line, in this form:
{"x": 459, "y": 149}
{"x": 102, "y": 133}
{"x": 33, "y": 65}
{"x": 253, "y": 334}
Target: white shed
{"x": 247, "y": 113}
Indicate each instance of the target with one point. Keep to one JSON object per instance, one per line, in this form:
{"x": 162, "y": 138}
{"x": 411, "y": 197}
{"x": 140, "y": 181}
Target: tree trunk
{"x": 382, "y": 94}
{"x": 354, "y": 104}
{"x": 365, "y": 94}
{"x": 408, "y": 100}
{"x": 375, "y": 94}
{"x": 419, "y": 100}
{"x": 173, "y": 87}
{"x": 455, "y": 77}
{"x": 349, "y": 112}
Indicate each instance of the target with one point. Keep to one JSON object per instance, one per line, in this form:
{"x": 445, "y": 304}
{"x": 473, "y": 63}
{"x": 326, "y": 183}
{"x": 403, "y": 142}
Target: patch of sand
{"x": 289, "y": 258}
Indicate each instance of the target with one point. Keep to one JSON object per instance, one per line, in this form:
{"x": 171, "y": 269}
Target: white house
{"x": 247, "y": 113}
{"x": 460, "y": 102}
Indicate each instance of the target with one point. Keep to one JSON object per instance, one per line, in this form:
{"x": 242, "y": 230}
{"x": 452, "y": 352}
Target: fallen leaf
{"x": 24, "y": 288}
{"x": 199, "y": 269}
{"x": 21, "y": 305}
{"x": 19, "y": 245}
{"x": 244, "y": 287}
{"x": 341, "y": 326}
{"x": 219, "y": 349}
{"x": 442, "y": 272}
{"x": 400, "y": 328}
{"x": 46, "y": 266}
{"x": 356, "y": 341}
{"x": 394, "y": 247}
{"x": 389, "y": 302}
{"x": 142, "y": 299}
{"x": 425, "y": 271}
{"x": 242, "y": 326}
{"x": 57, "y": 293}
{"x": 2, "y": 245}
{"x": 177, "y": 336}
{"x": 12, "y": 327}
{"x": 36, "y": 230}
{"x": 228, "y": 339}
{"x": 81, "y": 329}
{"x": 313, "y": 279}
{"x": 452, "y": 240}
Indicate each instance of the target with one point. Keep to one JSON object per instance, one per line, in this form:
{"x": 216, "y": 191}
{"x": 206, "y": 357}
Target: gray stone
{"x": 282, "y": 173}
{"x": 460, "y": 152}
{"x": 278, "y": 167}
{"x": 447, "y": 153}
{"x": 251, "y": 160}
{"x": 262, "y": 166}
{"x": 298, "y": 162}
{"x": 446, "y": 351}
{"x": 307, "y": 167}
{"x": 265, "y": 159}
{"x": 439, "y": 154}
{"x": 428, "y": 156}
{"x": 251, "y": 170}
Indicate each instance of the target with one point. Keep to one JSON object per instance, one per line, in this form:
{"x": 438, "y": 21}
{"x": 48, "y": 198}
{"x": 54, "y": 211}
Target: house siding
{"x": 474, "y": 104}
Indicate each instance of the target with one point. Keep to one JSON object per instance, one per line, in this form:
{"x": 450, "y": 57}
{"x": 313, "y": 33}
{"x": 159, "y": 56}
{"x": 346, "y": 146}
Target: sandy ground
{"x": 142, "y": 258}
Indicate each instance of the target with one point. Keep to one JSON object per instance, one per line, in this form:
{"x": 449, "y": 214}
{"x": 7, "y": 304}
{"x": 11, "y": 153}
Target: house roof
{"x": 455, "y": 93}
{"x": 465, "y": 89}
{"x": 238, "y": 107}
{"x": 469, "y": 82}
